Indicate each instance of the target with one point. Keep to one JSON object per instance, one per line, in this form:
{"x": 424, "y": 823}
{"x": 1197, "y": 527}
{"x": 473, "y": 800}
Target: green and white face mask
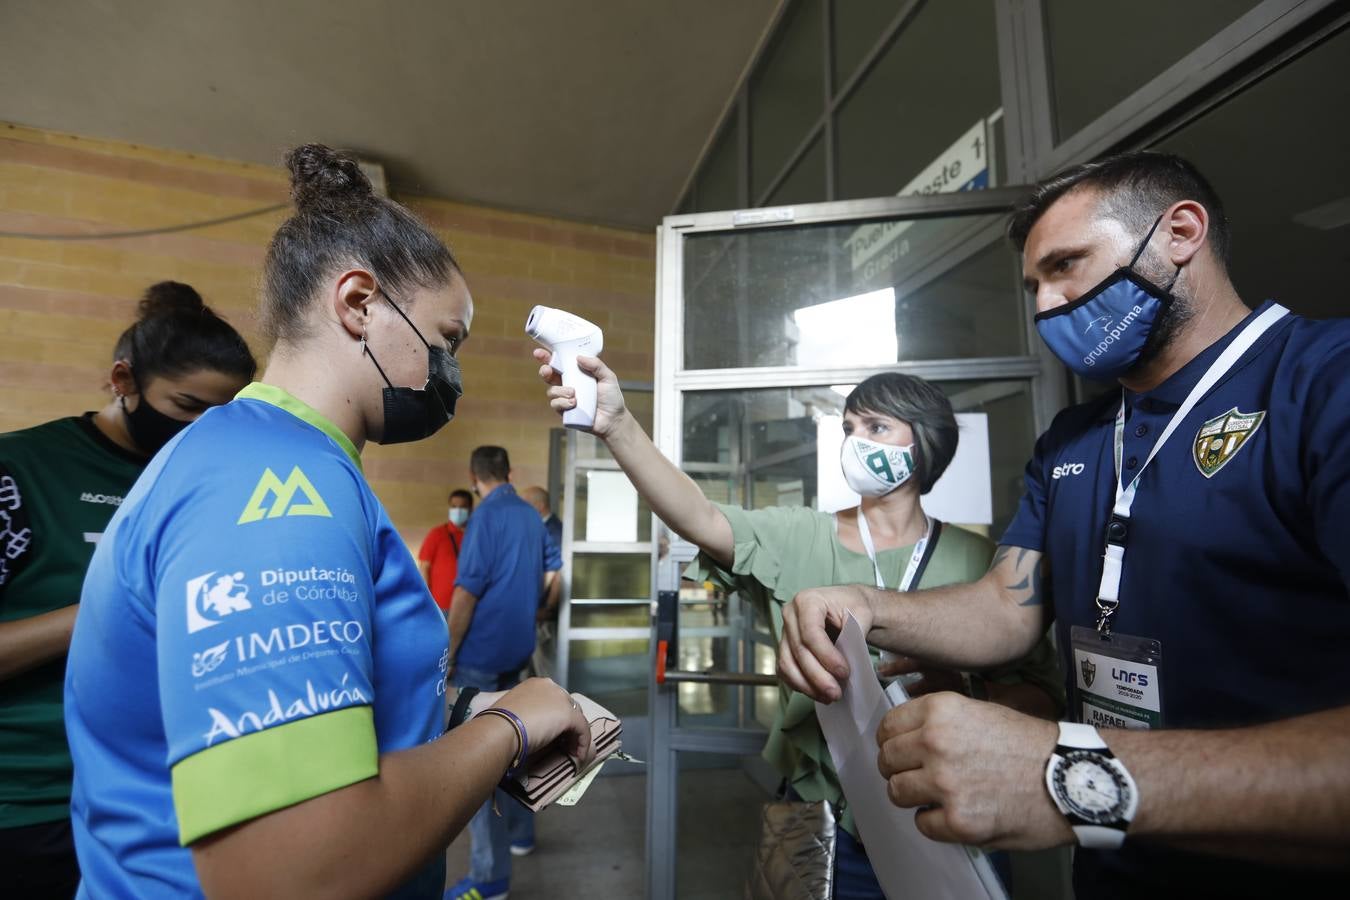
{"x": 874, "y": 470}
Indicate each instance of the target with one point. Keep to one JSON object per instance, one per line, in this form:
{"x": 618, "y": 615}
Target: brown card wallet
{"x": 548, "y": 774}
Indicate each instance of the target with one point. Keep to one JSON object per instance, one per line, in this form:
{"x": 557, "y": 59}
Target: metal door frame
{"x": 572, "y": 462}
{"x": 1048, "y": 388}
{"x": 1239, "y": 55}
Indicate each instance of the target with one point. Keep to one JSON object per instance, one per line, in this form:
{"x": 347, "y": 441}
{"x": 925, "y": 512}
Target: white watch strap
{"x": 1098, "y": 837}
{"x": 1084, "y": 737}
{"x": 1081, "y": 737}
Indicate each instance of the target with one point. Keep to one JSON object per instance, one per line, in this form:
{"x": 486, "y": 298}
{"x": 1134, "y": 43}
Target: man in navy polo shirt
{"x": 1192, "y": 531}
{"x": 497, "y": 590}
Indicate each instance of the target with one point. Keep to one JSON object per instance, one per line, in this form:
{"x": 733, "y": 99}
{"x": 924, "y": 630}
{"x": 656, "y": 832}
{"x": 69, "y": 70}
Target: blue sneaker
{"x": 468, "y": 889}
{"x": 522, "y": 849}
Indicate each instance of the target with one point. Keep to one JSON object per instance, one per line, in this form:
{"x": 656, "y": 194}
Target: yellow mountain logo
{"x": 284, "y": 501}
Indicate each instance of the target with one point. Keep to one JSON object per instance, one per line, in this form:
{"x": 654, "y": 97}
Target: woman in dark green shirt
{"x": 60, "y": 483}
{"x": 900, "y": 435}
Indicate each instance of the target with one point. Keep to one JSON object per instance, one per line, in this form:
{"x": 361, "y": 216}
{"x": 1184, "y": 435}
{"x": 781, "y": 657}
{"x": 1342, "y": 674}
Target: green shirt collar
{"x": 270, "y": 393}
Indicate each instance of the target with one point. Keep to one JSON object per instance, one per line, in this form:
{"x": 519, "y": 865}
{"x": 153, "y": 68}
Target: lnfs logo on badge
{"x": 283, "y": 494}
{"x": 1220, "y": 438}
{"x": 211, "y": 598}
{"x": 1089, "y": 671}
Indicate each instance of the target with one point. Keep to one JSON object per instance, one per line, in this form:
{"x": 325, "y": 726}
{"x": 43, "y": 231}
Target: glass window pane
{"x": 704, "y": 705}
{"x": 641, "y": 527}
{"x": 772, "y": 436}
{"x": 1091, "y": 76}
{"x": 640, "y": 403}
{"x": 612, "y": 673}
{"x": 1012, "y": 436}
{"x": 708, "y": 420}
{"x": 758, "y": 425}
{"x": 857, "y": 28}
{"x": 718, "y": 183}
{"x": 714, "y": 636}
{"x": 717, "y": 488}
{"x": 635, "y": 616}
{"x": 806, "y": 182}
{"x": 922, "y": 110}
{"x": 850, "y": 295}
{"x": 787, "y": 93}
{"x": 611, "y": 576}
{"x": 766, "y": 698}
{"x": 1289, "y": 232}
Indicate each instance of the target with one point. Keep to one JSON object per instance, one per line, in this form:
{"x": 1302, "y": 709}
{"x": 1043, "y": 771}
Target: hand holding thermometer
{"x": 566, "y": 337}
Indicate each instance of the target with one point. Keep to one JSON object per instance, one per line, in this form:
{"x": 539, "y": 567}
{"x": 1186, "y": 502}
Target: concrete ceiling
{"x": 595, "y": 111}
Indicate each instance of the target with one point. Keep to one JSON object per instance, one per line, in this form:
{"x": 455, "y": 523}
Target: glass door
{"x": 766, "y": 319}
{"x": 602, "y": 644}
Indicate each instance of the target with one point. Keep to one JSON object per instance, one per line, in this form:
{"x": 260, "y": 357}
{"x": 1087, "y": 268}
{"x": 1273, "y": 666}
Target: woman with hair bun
{"x": 256, "y": 697}
{"x": 60, "y": 483}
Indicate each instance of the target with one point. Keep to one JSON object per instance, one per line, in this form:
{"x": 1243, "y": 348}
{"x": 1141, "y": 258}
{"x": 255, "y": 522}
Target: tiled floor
{"x": 595, "y": 849}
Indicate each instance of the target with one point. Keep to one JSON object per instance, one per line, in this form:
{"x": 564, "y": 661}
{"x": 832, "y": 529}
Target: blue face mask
{"x": 1103, "y": 333}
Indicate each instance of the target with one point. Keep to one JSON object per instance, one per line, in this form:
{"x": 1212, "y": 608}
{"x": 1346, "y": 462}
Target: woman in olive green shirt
{"x": 900, "y": 435}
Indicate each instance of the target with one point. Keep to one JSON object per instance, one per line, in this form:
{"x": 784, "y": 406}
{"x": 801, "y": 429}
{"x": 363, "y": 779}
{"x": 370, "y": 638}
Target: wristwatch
{"x": 1091, "y": 787}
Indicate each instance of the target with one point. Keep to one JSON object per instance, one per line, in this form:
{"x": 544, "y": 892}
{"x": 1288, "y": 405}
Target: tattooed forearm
{"x": 1022, "y": 570}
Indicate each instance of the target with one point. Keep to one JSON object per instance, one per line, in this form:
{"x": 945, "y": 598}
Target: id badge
{"x": 1117, "y": 679}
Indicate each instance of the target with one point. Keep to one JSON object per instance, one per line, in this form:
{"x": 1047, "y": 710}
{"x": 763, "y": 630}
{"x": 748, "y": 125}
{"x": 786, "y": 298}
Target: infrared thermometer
{"x": 566, "y": 337}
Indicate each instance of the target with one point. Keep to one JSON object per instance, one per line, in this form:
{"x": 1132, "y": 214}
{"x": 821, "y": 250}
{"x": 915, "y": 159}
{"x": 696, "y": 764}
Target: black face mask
{"x": 149, "y": 428}
{"x": 411, "y": 414}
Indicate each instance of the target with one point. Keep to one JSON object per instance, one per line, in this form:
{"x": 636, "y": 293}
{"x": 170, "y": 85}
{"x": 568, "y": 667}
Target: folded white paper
{"x": 907, "y": 864}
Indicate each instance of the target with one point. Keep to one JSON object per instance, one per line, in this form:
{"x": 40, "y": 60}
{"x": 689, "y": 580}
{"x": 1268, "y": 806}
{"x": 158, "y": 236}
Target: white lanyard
{"x": 1118, "y": 530}
{"x": 914, "y": 558}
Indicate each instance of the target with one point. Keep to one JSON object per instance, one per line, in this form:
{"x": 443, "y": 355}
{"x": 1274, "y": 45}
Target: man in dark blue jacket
{"x": 1186, "y": 533}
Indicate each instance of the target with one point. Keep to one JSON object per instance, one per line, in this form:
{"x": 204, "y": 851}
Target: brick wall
{"x": 63, "y": 303}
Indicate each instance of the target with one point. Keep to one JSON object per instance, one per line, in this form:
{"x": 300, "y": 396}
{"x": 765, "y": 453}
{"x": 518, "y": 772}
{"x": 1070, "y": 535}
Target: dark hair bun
{"x": 321, "y": 176}
{"x": 169, "y": 298}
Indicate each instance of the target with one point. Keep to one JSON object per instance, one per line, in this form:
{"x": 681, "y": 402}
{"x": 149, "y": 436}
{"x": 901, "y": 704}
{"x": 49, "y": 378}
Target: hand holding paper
{"x": 808, "y": 660}
{"x": 907, "y": 863}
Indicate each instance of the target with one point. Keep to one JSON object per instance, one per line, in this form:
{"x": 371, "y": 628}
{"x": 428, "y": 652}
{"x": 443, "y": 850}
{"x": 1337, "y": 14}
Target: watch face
{"x": 1091, "y": 789}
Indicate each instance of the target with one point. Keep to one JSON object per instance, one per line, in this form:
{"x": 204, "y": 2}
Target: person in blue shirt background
{"x": 256, "y": 691}
{"x": 539, "y": 499}
{"x": 1190, "y": 531}
{"x": 501, "y": 577}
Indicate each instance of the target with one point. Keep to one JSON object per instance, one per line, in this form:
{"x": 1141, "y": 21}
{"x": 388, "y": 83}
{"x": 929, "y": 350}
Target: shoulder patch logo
{"x": 211, "y": 598}
{"x": 1220, "y": 438}
{"x": 284, "y": 499}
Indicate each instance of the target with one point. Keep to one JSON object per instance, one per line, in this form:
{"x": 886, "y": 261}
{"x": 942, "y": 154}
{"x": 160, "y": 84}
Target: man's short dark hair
{"x": 490, "y": 464}
{"x": 466, "y": 496}
{"x": 1135, "y": 188}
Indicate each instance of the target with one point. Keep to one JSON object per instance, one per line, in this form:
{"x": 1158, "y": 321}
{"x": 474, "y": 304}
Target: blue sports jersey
{"x": 1238, "y": 557}
{"x": 253, "y": 633}
{"x": 505, "y": 555}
